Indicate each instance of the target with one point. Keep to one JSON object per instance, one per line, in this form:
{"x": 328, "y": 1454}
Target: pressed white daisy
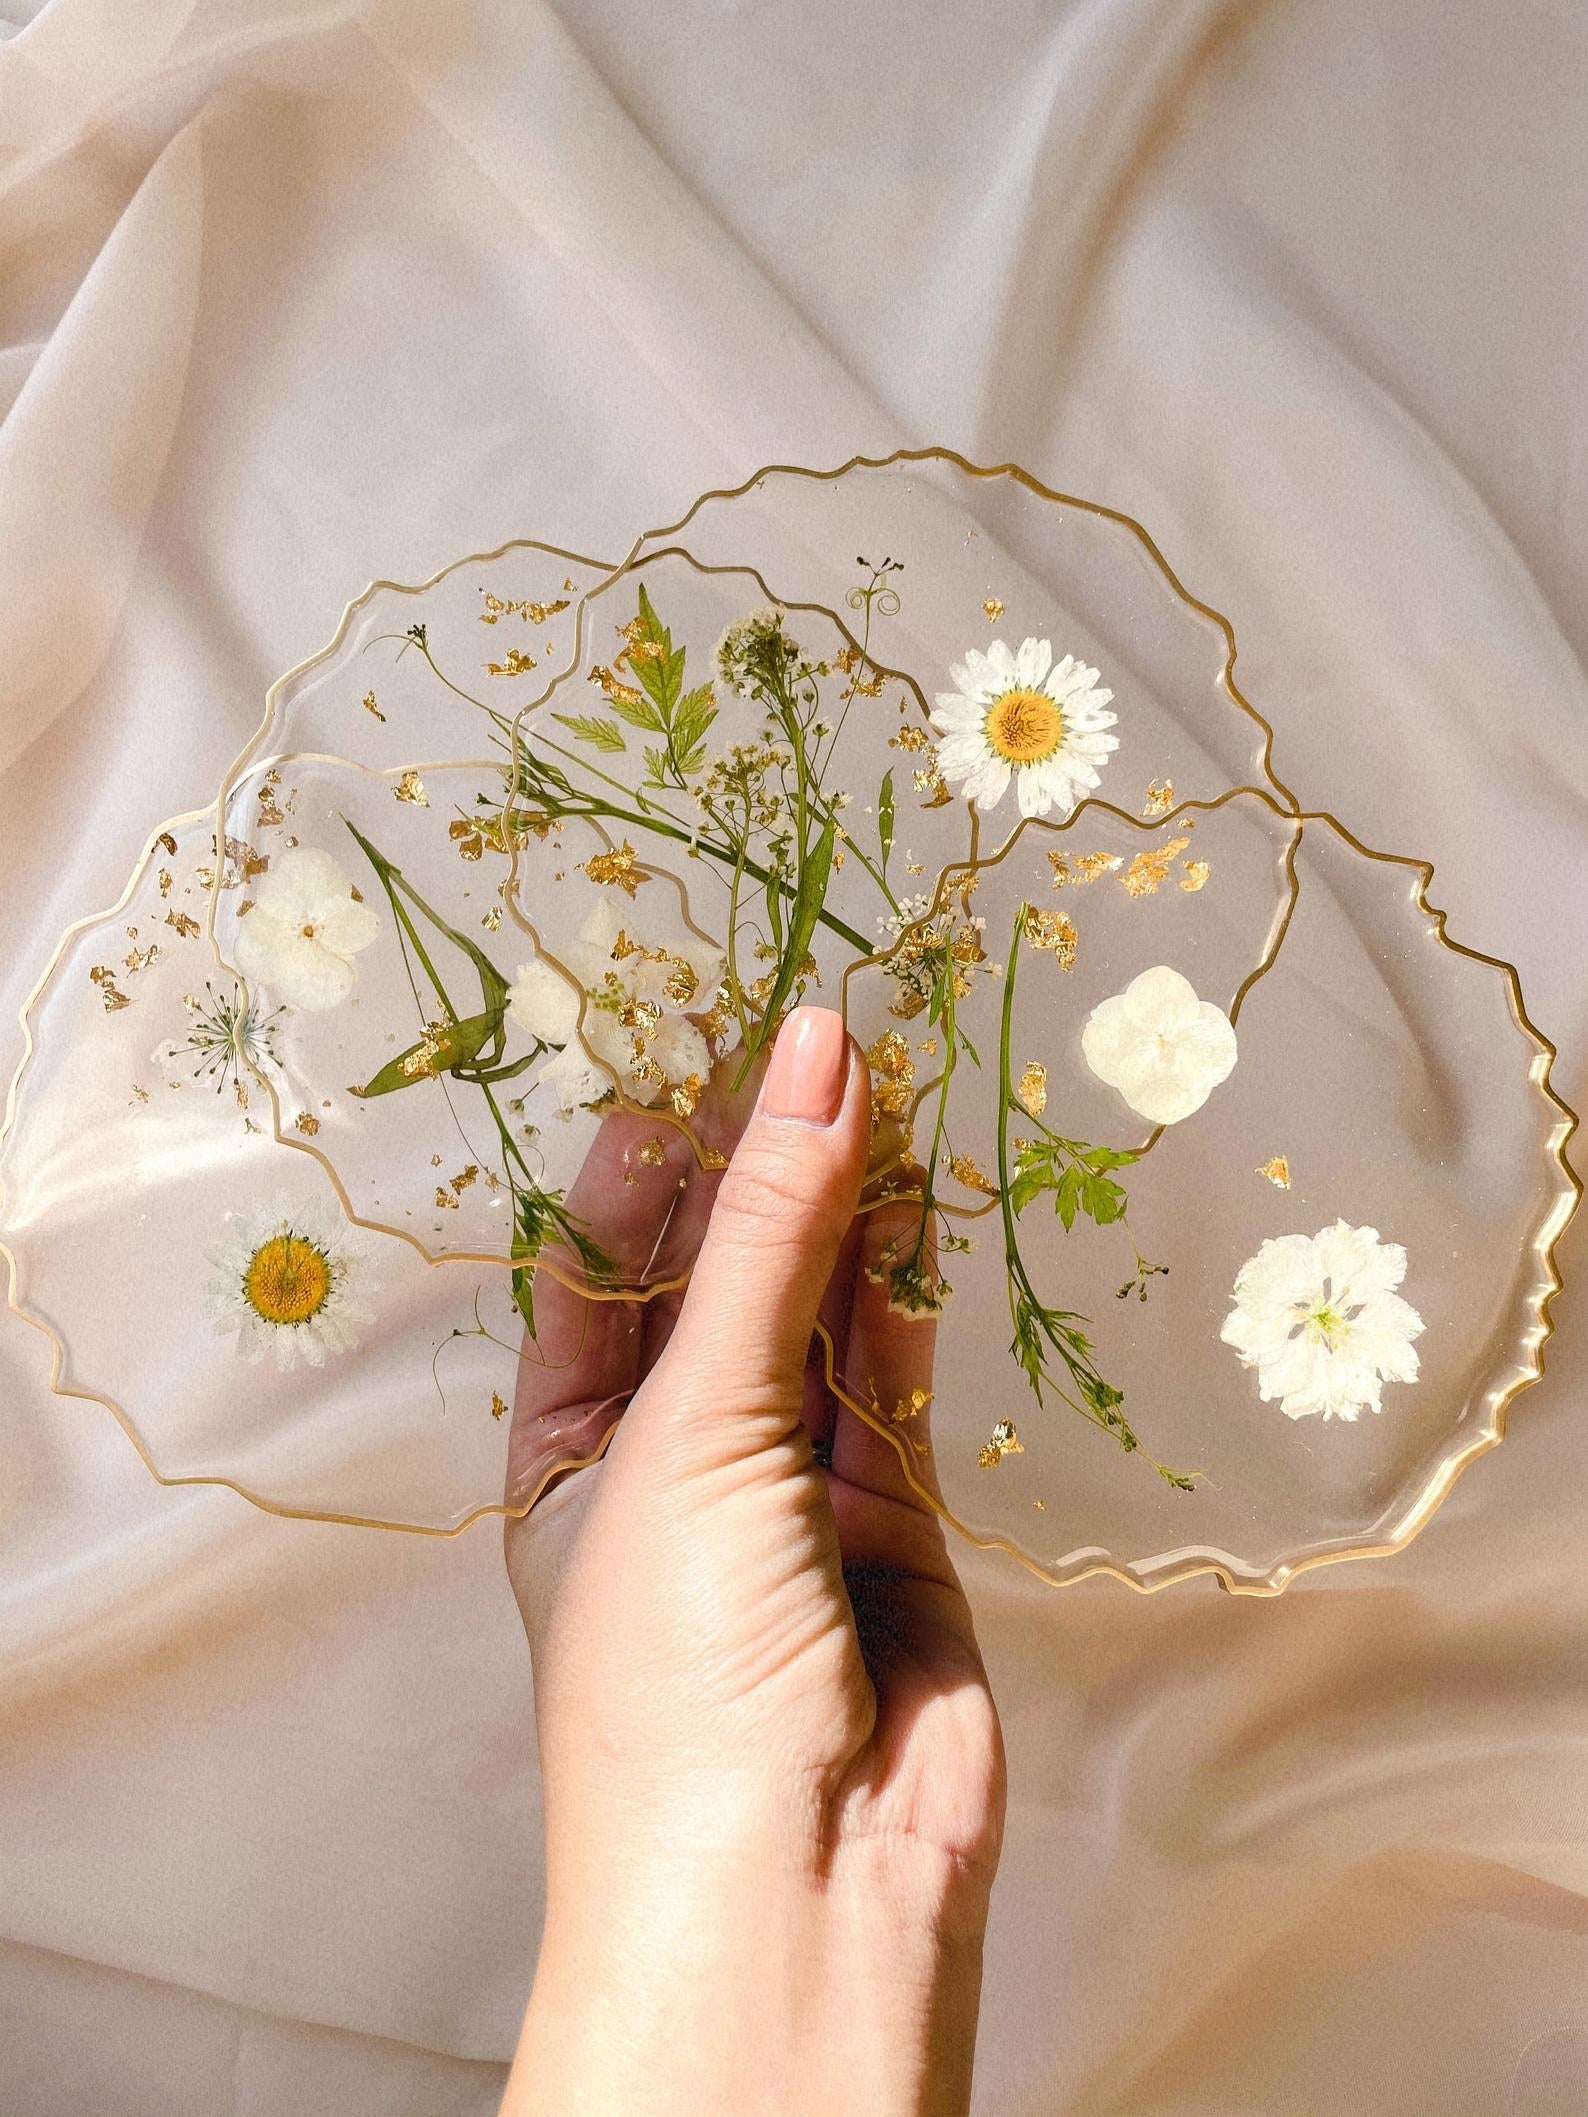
{"x": 304, "y": 930}
{"x": 1159, "y": 1045}
{"x": 638, "y": 1000}
{"x": 1319, "y": 1318}
{"x": 1023, "y": 714}
{"x": 290, "y": 1285}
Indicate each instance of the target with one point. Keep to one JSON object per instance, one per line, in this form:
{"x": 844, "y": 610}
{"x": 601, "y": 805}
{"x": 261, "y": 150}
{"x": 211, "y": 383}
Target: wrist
{"x": 673, "y": 1986}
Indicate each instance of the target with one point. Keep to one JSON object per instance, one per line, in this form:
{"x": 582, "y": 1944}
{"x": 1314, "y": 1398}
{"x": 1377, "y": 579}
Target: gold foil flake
{"x": 269, "y": 808}
{"x": 1040, "y": 1505}
{"x": 420, "y": 1064}
{"x": 241, "y": 1093}
{"x": 169, "y": 843}
{"x": 498, "y": 1407}
{"x": 687, "y": 1094}
{"x": 493, "y": 1182}
{"x": 306, "y": 1123}
{"x": 466, "y": 835}
{"x": 927, "y": 1047}
{"x": 892, "y": 1075}
{"x": 465, "y": 1177}
{"x": 371, "y": 707}
{"x": 934, "y": 789}
{"x": 447, "y": 1200}
{"x": 1052, "y": 931}
{"x": 492, "y": 919}
{"x": 246, "y": 861}
{"x": 993, "y": 609}
{"x": 839, "y": 857}
{"x": 1160, "y": 798}
{"x": 966, "y": 1171}
{"x": 1081, "y": 868}
{"x": 411, "y": 788}
{"x": 1277, "y": 1171}
{"x": 518, "y": 663}
{"x": 1004, "y": 1441}
{"x": 245, "y": 906}
{"x": 141, "y": 958}
{"x": 906, "y": 1408}
{"x": 532, "y": 613}
{"x": 910, "y": 737}
{"x": 915, "y": 867}
{"x": 1150, "y": 869}
{"x": 681, "y": 983}
{"x": 206, "y": 878}
{"x": 568, "y": 583}
{"x": 435, "y": 1159}
{"x": 713, "y": 1158}
{"x": 139, "y": 1095}
{"x": 1196, "y": 875}
{"x": 164, "y": 880}
{"x": 653, "y": 1152}
{"x": 1033, "y": 1088}
{"x": 616, "y": 867}
{"x": 356, "y": 894}
{"x": 105, "y": 979}
{"x": 186, "y": 926}
{"x": 620, "y": 693}
{"x": 250, "y": 1126}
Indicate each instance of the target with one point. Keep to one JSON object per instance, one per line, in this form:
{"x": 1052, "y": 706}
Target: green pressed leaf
{"x": 638, "y": 714}
{"x": 885, "y": 818}
{"x": 604, "y": 734}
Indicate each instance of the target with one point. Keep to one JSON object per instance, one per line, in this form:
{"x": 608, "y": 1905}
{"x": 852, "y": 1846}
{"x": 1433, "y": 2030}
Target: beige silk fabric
{"x": 294, "y": 295}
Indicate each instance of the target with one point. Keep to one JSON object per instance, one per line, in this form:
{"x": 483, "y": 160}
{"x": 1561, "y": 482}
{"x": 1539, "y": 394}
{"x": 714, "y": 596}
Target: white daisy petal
{"x": 1053, "y": 751}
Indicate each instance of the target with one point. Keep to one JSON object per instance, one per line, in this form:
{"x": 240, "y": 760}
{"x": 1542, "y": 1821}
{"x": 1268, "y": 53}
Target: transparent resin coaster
{"x": 1221, "y": 1184}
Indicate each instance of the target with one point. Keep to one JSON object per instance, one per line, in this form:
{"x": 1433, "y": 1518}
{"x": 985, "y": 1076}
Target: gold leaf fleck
{"x": 966, "y": 1171}
{"x": 164, "y": 880}
{"x": 465, "y": 1177}
{"x": 518, "y": 663}
{"x": 620, "y": 693}
{"x": 993, "y": 609}
{"x": 306, "y": 1123}
{"x": 652, "y": 1153}
{"x": 498, "y": 1407}
{"x": 1149, "y": 869}
{"x": 1160, "y": 798}
{"x": 371, "y": 707}
{"x": 250, "y": 1126}
{"x": 169, "y": 843}
{"x": 435, "y": 1161}
{"x": 141, "y": 958}
{"x": 1277, "y": 1171}
{"x": 492, "y": 919}
{"x": 686, "y": 1095}
{"x": 139, "y": 1095}
{"x": 1196, "y": 875}
{"x": 1033, "y": 1088}
{"x": 466, "y": 836}
{"x": 617, "y": 866}
{"x": 446, "y": 1199}
{"x": 185, "y": 925}
{"x": 244, "y": 907}
{"x": 1004, "y": 1441}
{"x": 106, "y": 981}
{"x": 1052, "y": 931}
{"x": 411, "y": 788}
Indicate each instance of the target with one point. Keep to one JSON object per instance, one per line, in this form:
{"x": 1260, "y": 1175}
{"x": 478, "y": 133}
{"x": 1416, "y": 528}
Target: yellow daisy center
{"x": 288, "y": 1280}
{"x": 1025, "y": 727}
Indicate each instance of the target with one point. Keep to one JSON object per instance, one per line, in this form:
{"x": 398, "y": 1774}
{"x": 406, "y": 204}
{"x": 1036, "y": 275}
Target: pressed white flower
{"x": 637, "y": 1005}
{"x": 1319, "y": 1318}
{"x": 304, "y": 930}
{"x": 1023, "y": 714}
{"x": 1159, "y": 1045}
{"x": 290, "y": 1285}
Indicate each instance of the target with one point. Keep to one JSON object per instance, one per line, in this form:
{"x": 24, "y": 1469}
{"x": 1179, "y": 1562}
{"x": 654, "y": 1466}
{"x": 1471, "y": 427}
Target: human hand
{"x": 772, "y": 1767}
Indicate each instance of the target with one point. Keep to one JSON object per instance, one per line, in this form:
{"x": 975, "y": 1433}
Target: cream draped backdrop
{"x": 292, "y": 295}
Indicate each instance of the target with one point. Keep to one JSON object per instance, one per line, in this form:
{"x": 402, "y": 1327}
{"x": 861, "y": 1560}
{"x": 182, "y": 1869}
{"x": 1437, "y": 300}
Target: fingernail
{"x": 810, "y": 1064}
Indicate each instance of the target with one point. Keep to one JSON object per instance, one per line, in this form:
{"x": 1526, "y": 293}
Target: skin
{"x": 773, "y": 1771}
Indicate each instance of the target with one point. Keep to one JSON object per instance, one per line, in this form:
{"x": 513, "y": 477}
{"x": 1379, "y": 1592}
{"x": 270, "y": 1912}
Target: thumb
{"x": 776, "y": 1225}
